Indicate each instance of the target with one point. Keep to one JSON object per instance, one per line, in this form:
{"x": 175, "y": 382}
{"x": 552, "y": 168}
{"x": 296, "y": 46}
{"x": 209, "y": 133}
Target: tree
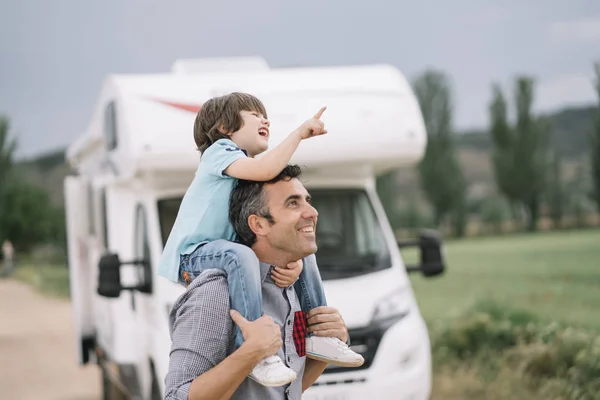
{"x": 595, "y": 144}
{"x": 7, "y": 150}
{"x": 27, "y": 217}
{"x": 503, "y": 139}
{"x": 31, "y": 219}
{"x": 556, "y": 193}
{"x": 520, "y": 157}
{"x": 440, "y": 174}
{"x": 388, "y": 193}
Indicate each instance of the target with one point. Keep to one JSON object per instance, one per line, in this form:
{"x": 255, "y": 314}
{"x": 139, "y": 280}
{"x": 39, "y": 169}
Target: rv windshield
{"x": 349, "y": 236}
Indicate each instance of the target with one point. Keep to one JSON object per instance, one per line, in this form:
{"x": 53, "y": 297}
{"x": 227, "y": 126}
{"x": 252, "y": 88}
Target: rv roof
{"x": 145, "y": 122}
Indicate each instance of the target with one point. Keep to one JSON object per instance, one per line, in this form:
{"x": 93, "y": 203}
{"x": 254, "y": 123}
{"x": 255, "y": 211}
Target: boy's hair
{"x": 248, "y": 198}
{"x": 221, "y": 115}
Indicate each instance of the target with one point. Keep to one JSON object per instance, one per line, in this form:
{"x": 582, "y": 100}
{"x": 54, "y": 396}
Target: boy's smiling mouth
{"x": 264, "y": 132}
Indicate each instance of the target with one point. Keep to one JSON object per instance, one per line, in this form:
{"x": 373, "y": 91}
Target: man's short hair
{"x": 221, "y": 115}
{"x": 248, "y": 198}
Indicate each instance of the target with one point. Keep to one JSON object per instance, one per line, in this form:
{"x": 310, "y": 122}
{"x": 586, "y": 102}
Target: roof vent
{"x": 194, "y": 66}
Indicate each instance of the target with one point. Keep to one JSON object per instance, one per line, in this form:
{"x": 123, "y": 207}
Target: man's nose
{"x": 310, "y": 212}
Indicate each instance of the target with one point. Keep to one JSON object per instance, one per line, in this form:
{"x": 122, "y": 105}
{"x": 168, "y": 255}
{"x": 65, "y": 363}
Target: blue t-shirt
{"x": 204, "y": 212}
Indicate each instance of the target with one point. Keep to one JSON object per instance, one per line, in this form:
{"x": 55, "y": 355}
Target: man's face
{"x": 295, "y": 219}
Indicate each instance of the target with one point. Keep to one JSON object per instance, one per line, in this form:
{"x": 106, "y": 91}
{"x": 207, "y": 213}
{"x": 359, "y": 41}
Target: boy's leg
{"x": 243, "y": 277}
{"x": 309, "y": 286}
{"x": 311, "y": 294}
{"x": 245, "y": 291}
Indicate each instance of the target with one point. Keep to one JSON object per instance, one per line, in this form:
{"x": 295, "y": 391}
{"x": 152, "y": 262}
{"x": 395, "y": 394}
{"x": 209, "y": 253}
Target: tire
{"x": 155, "y": 393}
{"x": 155, "y": 390}
{"x": 109, "y": 390}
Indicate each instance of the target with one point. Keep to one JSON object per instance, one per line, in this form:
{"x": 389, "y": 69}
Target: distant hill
{"x": 570, "y": 128}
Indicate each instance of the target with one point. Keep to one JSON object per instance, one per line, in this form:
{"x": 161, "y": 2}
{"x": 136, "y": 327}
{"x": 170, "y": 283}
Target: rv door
{"x": 78, "y": 214}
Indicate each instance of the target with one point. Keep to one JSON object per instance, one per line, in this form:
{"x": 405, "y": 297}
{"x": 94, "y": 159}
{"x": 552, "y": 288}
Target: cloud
{"x": 578, "y": 30}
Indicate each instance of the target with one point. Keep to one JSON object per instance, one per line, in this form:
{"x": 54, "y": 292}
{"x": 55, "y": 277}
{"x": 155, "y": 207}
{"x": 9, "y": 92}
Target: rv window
{"x": 103, "y": 223}
{"x": 349, "y": 236}
{"x": 91, "y": 210}
{"x": 167, "y": 212}
{"x": 110, "y": 126}
{"x": 142, "y": 248}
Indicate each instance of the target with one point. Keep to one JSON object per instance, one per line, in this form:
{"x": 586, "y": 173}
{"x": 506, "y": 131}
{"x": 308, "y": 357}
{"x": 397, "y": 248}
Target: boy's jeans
{"x": 243, "y": 278}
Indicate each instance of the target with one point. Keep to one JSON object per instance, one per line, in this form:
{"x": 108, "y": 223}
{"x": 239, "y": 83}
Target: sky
{"x": 54, "y": 55}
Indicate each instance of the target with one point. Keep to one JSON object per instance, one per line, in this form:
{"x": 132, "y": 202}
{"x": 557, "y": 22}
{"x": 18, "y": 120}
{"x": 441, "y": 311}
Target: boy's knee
{"x": 242, "y": 253}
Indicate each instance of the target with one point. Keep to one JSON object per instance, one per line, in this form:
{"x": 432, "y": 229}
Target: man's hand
{"x": 285, "y": 277}
{"x": 313, "y": 126}
{"x": 262, "y": 335}
{"x": 327, "y": 321}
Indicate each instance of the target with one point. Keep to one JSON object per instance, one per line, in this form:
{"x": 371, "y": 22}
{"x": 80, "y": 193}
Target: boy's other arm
{"x": 269, "y": 166}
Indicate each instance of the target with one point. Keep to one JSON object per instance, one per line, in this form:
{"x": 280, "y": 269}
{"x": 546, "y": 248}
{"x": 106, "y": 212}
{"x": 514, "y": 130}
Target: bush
{"x": 493, "y": 211}
{"x": 556, "y": 361}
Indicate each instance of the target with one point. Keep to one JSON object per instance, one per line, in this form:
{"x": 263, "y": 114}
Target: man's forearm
{"x": 223, "y": 380}
{"x": 312, "y": 371}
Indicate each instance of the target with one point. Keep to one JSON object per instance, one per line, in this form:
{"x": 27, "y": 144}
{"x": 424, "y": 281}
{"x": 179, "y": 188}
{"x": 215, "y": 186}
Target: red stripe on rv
{"x": 182, "y": 106}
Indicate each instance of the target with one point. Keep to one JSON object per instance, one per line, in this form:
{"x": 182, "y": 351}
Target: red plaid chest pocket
{"x": 300, "y": 324}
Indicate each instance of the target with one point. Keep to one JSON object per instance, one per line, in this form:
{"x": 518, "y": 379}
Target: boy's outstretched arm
{"x": 274, "y": 161}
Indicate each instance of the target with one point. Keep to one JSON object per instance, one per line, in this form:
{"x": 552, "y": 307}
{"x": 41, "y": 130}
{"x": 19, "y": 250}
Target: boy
{"x": 230, "y": 131}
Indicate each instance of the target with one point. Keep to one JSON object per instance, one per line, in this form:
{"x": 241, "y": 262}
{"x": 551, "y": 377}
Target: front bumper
{"x": 400, "y": 370}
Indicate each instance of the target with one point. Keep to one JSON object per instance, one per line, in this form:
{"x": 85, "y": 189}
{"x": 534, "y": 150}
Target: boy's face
{"x": 254, "y": 134}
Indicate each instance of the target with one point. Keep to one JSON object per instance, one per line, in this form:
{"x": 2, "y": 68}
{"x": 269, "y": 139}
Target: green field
{"x": 49, "y": 279}
{"x": 555, "y": 275}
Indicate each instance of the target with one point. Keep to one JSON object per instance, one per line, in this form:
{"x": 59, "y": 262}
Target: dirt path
{"x": 37, "y": 349}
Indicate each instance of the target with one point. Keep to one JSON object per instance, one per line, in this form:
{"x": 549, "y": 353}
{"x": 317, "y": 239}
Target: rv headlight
{"x": 393, "y": 306}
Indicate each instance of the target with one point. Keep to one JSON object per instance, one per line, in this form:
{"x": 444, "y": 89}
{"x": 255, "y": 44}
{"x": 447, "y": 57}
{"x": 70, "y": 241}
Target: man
{"x": 8, "y": 252}
{"x": 271, "y": 217}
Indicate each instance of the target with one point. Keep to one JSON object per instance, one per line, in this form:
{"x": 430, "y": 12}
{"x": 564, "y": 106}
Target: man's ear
{"x": 258, "y": 225}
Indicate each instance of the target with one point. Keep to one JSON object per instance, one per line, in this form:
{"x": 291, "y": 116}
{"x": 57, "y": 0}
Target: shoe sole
{"x": 272, "y": 384}
{"x": 350, "y": 364}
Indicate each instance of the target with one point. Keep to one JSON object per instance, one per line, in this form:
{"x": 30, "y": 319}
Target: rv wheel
{"x": 110, "y": 391}
{"x": 155, "y": 394}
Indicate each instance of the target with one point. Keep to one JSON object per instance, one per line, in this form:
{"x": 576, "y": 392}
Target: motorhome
{"x": 135, "y": 160}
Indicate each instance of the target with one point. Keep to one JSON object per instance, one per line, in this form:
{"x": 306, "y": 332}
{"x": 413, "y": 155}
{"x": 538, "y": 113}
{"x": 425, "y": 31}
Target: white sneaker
{"x": 333, "y": 351}
{"x": 271, "y": 371}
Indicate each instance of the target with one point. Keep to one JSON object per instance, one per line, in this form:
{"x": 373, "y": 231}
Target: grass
{"x": 555, "y": 275}
{"x": 48, "y": 279}
{"x": 551, "y": 276}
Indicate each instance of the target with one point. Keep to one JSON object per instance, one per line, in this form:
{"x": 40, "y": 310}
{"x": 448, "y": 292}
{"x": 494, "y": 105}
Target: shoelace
{"x": 339, "y": 344}
{"x": 271, "y": 360}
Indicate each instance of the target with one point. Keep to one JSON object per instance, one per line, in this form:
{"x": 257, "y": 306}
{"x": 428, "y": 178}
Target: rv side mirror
{"x": 109, "y": 278}
{"x": 431, "y": 257}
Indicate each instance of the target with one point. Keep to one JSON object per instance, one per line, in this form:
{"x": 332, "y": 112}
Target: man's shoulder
{"x": 208, "y": 289}
{"x": 209, "y": 278}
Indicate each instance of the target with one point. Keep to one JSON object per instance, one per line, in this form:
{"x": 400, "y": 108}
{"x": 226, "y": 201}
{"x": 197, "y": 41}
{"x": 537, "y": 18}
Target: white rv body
{"x": 138, "y": 156}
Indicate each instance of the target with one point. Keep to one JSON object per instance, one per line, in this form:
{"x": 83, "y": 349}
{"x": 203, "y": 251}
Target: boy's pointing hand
{"x": 313, "y": 126}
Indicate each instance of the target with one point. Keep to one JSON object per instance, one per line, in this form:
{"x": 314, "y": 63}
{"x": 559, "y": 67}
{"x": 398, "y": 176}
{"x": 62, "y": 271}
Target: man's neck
{"x": 271, "y": 256}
